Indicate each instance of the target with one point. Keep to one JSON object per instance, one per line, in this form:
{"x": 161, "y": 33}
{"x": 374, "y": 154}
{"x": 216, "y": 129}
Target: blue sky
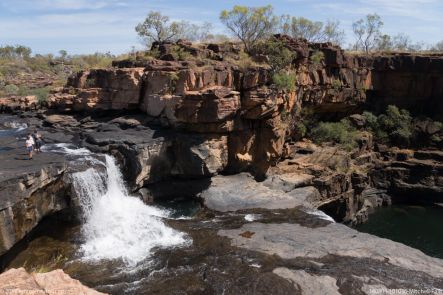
{"x": 87, "y": 26}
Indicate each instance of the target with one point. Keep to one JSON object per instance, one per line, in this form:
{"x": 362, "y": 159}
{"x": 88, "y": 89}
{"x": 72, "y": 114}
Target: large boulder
{"x": 242, "y": 191}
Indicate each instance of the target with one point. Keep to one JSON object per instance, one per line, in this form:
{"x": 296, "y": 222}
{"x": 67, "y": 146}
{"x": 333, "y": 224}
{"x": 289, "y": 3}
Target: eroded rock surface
{"x": 18, "y": 281}
{"x": 324, "y": 246}
{"x": 241, "y": 191}
{"x": 29, "y": 190}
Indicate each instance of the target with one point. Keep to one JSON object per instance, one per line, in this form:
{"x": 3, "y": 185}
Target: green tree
{"x": 332, "y": 32}
{"x": 249, "y": 24}
{"x": 23, "y": 51}
{"x": 304, "y": 28}
{"x": 313, "y": 31}
{"x": 402, "y": 42}
{"x": 367, "y": 32}
{"x": 384, "y": 43}
{"x": 158, "y": 28}
{"x": 438, "y": 46}
{"x": 7, "y": 51}
{"x": 63, "y": 54}
{"x": 195, "y": 32}
{"x": 13, "y": 52}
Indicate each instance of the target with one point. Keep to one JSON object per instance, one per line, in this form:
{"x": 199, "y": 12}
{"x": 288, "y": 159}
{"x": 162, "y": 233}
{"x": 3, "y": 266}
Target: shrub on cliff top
{"x": 180, "y": 53}
{"x": 317, "y": 57}
{"x": 11, "y": 89}
{"x": 279, "y": 56}
{"x": 244, "y": 61}
{"x": 41, "y": 93}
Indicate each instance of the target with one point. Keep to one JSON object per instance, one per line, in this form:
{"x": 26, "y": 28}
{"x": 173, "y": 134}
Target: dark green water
{"x": 420, "y": 227}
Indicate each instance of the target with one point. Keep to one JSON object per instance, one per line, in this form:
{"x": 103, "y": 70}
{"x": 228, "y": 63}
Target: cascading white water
{"x": 117, "y": 225}
{"x": 19, "y": 126}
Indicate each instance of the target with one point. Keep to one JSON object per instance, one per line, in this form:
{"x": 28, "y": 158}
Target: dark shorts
{"x": 29, "y": 149}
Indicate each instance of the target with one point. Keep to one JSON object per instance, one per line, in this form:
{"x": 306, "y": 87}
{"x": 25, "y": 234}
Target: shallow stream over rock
{"x": 117, "y": 244}
{"x": 208, "y": 265}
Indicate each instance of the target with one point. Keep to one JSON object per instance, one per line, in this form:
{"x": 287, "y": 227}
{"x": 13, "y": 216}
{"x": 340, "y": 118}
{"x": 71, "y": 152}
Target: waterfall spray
{"x": 116, "y": 225}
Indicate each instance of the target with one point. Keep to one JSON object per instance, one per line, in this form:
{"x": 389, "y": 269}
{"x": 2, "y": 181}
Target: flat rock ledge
{"x": 241, "y": 191}
{"x": 335, "y": 259}
{"x": 19, "y": 281}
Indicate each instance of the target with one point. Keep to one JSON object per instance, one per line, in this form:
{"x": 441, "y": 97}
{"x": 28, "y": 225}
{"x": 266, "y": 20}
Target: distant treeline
{"x": 22, "y": 73}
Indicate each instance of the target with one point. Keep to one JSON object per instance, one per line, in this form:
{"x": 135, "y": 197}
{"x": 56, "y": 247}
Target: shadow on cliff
{"x": 177, "y": 170}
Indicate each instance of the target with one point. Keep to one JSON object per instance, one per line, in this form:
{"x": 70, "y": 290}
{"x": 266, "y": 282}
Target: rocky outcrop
{"x": 241, "y": 191}
{"x": 114, "y": 89}
{"x": 209, "y": 98}
{"x": 341, "y": 82}
{"x": 209, "y": 93}
{"x": 408, "y": 174}
{"x": 18, "y": 103}
{"x": 409, "y": 81}
{"x": 29, "y": 192}
{"x": 143, "y": 153}
{"x": 18, "y": 281}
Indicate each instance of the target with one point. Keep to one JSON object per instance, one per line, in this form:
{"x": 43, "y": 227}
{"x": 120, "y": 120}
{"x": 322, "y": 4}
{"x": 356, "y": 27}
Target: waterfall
{"x": 116, "y": 225}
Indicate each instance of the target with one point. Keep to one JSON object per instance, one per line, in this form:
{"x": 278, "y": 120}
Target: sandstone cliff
{"x": 240, "y": 108}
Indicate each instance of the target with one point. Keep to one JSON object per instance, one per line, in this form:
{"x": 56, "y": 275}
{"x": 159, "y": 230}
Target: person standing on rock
{"x": 38, "y": 141}
{"x": 30, "y": 146}
{"x": 34, "y": 137}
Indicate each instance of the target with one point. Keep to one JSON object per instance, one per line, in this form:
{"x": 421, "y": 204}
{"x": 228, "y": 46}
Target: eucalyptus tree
{"x": 158, "y": 28}
{"x": 313, "y": 31}
{"x": 367, "y": 32}
{"x": 250, "y": 24}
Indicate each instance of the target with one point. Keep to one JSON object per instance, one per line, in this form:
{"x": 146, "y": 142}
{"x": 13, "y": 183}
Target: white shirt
{"x": 29, "y": 142}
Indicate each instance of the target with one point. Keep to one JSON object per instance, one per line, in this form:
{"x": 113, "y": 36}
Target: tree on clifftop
{"x": 313, "y": 31}
{"x": 249, "y": 24}
{"x": 367, "y": 32}
{"x": 158, "y": 28}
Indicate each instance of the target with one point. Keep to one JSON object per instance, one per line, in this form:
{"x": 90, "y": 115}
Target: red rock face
{"x": 13, "y": 103}
{"x": 210, "y": 106}
{"x": 409, "y": 81}
{"x": 216, "y": 97}
{"x": 113, "y": 89}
